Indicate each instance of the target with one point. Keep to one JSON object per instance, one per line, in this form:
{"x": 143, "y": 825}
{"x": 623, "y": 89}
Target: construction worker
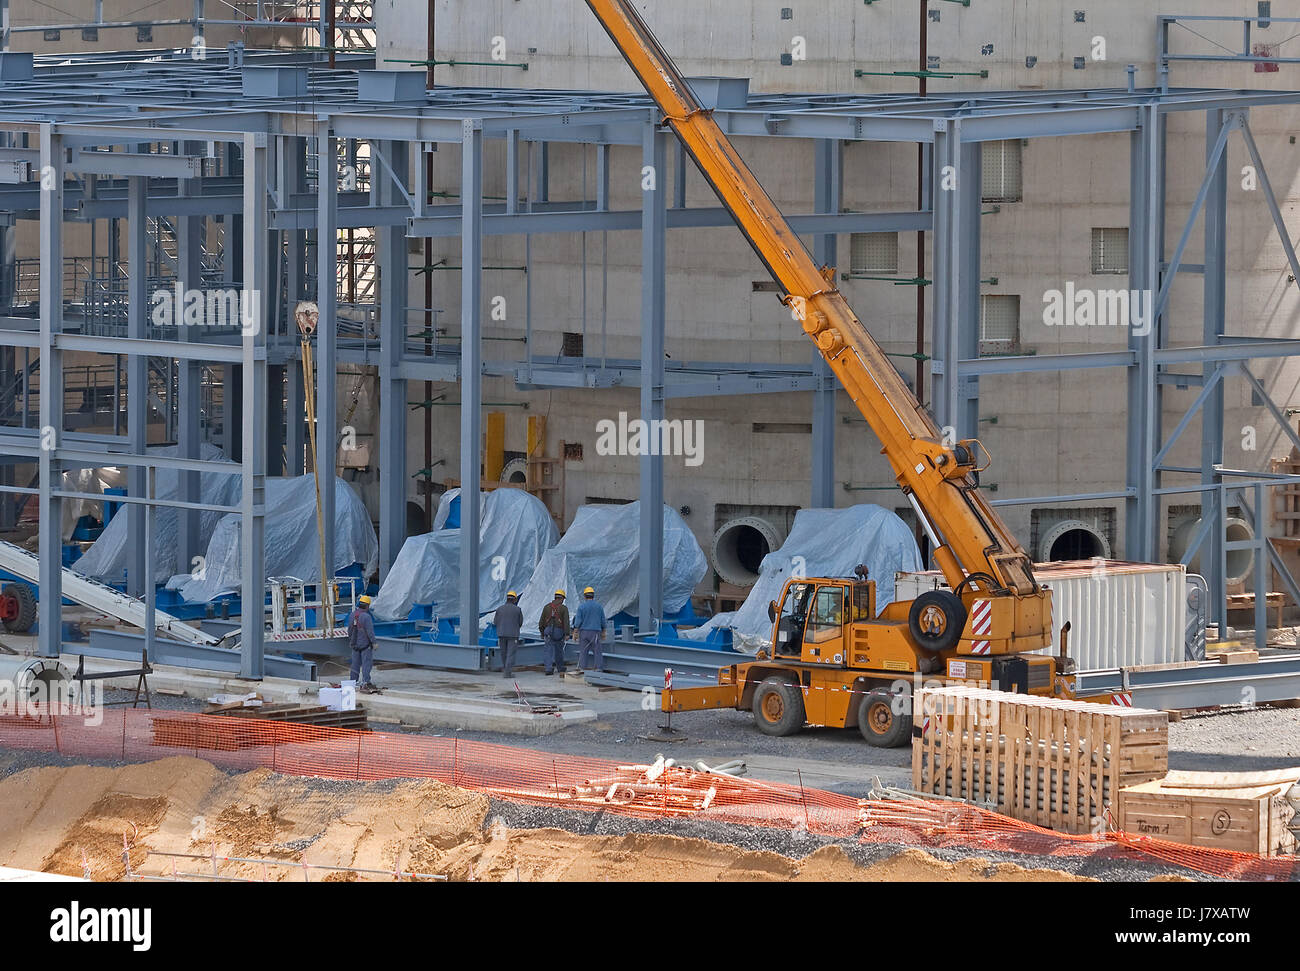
{"x": 361, "y": 638}
{"x": 554, "y": 626}
{"x": 508, "y": 619}
{"x": 589, "y": 626}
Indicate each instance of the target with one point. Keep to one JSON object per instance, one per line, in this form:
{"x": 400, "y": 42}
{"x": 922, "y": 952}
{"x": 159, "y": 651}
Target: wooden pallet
{"x": 1243, "y": 811}
{"x": 203, "y": 733}
{"x": 1046, "y": 761}
{"x": 300, "y": 714}
{"x": 1273, "y": 600}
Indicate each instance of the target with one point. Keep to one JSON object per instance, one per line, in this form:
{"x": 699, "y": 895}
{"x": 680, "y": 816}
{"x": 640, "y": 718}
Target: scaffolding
{"x": 268, "y": 117}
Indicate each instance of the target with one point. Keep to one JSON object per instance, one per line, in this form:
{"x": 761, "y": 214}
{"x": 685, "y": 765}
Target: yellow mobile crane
{"x": 833, "y": 662}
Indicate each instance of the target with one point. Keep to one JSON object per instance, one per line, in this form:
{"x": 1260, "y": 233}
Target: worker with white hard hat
{"x": 554, "y": 626}
{"x": 361, "y": 638}
{"x": 508, "y": 620}
{"x": 589, "y": 626}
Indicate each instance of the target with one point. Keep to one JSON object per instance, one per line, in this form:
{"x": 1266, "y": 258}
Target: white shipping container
{"x": 1121, "y": 614}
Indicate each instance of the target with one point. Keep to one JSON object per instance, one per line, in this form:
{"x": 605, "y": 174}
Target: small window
{"x": 1110, "y": 250}
{"x": 873, "y": 252}
{"x": 999, "y": 323}
{"x": 572, "y": 345}
{"x": 1001, "y": 171}
{"x": 828, "y": 611}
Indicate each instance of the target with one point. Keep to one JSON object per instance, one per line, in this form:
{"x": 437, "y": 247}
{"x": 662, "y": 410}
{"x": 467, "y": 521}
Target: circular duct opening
{"x": 739, "y": 546}
{"x": 1072, "y": 539}
{"x": 515, "y": 472}
{"x": 35, "y": 681}
{"x": 1239, "y": 562}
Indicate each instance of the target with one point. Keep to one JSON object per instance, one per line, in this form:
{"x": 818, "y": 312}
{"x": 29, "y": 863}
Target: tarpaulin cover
{"x": 515, "y": 529}
{"x": 601, "y": 549}
{"x": 107, "y": 557}
{"x": 292, "y": 543}
{"x": 822, "y": 543}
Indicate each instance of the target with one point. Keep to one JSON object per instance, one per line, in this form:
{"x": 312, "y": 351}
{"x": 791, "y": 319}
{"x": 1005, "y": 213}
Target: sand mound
{"x": 66, "y": 820}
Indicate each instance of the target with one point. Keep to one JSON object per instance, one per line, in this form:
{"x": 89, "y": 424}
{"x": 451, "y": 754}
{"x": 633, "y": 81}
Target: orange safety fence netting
{"x": 574, "y": 782}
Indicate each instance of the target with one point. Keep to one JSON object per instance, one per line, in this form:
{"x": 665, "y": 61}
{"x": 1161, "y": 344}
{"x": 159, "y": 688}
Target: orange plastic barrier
{"x": 540, "y": 778}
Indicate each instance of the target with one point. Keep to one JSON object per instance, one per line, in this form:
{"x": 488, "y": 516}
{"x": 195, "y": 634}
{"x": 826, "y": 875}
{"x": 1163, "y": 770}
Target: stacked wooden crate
{"x": 1244, "y": 811}
{"x": 1047, "y": 761}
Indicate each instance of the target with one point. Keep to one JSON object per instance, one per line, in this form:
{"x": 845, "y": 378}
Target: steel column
{"x": 1146, "y": 214}
{"x": 654, "y": 232}
{"x": 827, "y": 191}
{"x": 49, "y": 613}
{"x": 254, "y": 319}
{"x": 137, "y": 379}
{"x": 189, "y": 271}
{"x": 471, "y": 369}
{"x": 1213, "y": 326}
{"x": 391, "y": 242}
{"x": 327, "y": 216}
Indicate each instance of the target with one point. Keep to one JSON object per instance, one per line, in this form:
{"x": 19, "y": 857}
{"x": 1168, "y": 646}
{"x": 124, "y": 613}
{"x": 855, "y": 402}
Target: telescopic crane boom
{"x": 972, "y": 546}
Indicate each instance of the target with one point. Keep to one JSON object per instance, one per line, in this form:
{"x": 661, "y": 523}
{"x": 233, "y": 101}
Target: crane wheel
{"x": 936, "y": 620}
{"x": 18, "y": 608}
{"x": 880, "y": 721}
{"x": 778, "y": 706}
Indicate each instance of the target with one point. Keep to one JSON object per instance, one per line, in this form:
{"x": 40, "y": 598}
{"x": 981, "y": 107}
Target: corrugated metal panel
{"x": 1120, "y": 614}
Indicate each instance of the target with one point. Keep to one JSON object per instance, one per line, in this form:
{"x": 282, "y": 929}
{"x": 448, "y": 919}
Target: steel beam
{"x": 120, "y": 645}
{"x": 137, "y": 381}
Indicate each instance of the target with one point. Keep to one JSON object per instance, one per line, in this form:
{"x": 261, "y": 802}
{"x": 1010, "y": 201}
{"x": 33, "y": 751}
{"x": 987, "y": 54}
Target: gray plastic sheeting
{"x": 601, "y": 549}
{"x": 292, "y": 542}
{"x": 107, "y": 559}
{"x": 822, "y": 543}
{"x": 515, "y": 531}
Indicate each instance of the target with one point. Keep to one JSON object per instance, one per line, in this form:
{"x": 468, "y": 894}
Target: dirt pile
{"x": 66, "y": 820}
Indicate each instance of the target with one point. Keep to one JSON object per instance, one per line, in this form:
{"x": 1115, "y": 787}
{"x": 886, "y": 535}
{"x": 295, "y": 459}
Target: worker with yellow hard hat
{"x": 509, "y": 619}
{"x": 589, "y": 625}
{"x": 361, "y": 638}
{"x": 554, "y": 627}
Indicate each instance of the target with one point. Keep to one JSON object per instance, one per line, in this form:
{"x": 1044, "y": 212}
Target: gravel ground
{"x": 1223, "y": 740}
{"x": 792, "y": 844}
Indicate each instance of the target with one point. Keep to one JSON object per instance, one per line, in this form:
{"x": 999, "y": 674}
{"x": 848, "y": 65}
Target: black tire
{"x": 936, "y": 620}
{"x": 778, "y": 706}
{"x": 879, "y": 721}
{"x": 25, "y": 619}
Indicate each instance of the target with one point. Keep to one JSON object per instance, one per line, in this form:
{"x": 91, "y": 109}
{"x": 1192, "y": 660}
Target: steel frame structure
{"x": 157, "y": 115}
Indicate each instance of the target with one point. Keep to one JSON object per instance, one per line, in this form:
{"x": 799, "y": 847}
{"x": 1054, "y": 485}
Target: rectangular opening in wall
{"x": 605, "y": 501}
{"x": 572, "y": 346}
{"x": 1110, "y": 250}
{"x": 999, "y": 323}
{"x": 781, "y": 428}
{"x": 873, "y": 252}
{"x": 1001, "y": 171}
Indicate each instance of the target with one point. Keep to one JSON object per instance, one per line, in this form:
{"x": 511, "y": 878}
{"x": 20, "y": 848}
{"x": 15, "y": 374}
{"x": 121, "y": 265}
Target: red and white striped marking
{"x": 925, "y": 726}
{"x": 981, "y": 617}
{"x": 981, "y": 647}
{"x": 1124, "y": 699}
{"x": 668, "y": 679}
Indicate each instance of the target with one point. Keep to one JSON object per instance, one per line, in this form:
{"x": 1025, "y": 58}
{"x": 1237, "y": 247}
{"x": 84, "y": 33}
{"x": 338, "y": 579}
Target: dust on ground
{"x": 89, "y": 819}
